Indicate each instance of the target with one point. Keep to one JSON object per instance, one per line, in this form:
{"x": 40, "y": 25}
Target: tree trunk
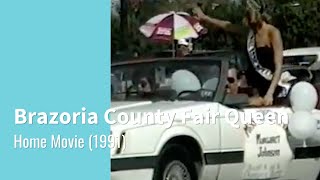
{"x": 123, "y": 23}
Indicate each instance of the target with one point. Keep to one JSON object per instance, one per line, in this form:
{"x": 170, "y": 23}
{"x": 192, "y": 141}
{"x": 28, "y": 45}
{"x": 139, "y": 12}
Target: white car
{"x": 308, "y": 56}
{"x": 189, "y": 151}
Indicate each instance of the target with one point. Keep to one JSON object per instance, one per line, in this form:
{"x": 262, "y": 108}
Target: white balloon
{"x": 316, "y": 136}
{"x": 211, "y": 84}
{"x": 184, "y": 80}
{"x": 302, "y": 125}
{"x": 303, "y": 97}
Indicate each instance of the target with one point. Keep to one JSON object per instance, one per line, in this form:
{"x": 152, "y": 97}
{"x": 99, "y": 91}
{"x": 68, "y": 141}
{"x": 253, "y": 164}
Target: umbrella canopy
{"x": 172, "y": 26}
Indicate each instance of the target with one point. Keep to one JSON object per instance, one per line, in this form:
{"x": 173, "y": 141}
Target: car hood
{"x": 133, "y": 109}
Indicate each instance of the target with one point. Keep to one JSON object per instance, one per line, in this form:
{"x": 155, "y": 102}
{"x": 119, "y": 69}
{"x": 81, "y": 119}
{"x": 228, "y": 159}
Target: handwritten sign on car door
{"x": 267, "y": 153}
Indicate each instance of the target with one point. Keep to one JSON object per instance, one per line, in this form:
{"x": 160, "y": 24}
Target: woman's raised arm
{"x": 222, "y": 24}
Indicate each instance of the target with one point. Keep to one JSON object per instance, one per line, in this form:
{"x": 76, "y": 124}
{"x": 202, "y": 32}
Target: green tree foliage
{"x": 298, "y": 24}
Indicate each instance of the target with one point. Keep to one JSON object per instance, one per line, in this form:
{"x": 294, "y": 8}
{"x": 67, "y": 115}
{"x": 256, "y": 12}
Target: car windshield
{"x": 165, "y": 80}
{"x": 305, "y": 60}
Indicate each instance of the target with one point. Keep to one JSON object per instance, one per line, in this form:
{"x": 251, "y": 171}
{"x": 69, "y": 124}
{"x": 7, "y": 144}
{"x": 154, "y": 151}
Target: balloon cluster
{"x": 303, "y": 99}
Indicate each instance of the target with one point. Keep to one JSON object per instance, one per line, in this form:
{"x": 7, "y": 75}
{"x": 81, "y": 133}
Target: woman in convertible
{"x": 264, "y": 48}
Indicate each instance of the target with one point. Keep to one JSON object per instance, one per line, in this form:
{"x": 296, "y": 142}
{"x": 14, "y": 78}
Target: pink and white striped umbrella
{"x": 172, "y": 26}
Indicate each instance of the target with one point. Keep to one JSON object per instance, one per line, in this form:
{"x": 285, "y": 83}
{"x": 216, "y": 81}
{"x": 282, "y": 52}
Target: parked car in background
{"x": 309, "y": 57}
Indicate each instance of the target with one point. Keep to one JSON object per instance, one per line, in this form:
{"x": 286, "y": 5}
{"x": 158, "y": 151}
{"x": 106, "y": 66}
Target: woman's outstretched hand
{"x": 198, "y": 13}
{"x": 259, "y": 101}
{"x": 256, "y": 101}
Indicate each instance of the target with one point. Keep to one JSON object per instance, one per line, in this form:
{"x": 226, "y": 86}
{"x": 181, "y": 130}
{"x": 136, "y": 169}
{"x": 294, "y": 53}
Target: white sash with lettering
{"x": 264, "y": 72}
{"x": 267, "y": 153}
{"x": 251, "y": 48}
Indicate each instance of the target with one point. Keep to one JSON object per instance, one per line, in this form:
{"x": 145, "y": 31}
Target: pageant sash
{"x": 251, "y": 48}
{"x": 264, "y": 72}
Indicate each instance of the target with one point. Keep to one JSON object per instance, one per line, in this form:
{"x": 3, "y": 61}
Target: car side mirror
{"x": 236, "y": 100}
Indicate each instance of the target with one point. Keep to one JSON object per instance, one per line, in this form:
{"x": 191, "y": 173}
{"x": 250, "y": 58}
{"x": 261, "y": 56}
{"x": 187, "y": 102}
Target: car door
{"x": 224, "y": 161}
{"x": 232, "y": 138}
{"x": 210, "y": 140}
